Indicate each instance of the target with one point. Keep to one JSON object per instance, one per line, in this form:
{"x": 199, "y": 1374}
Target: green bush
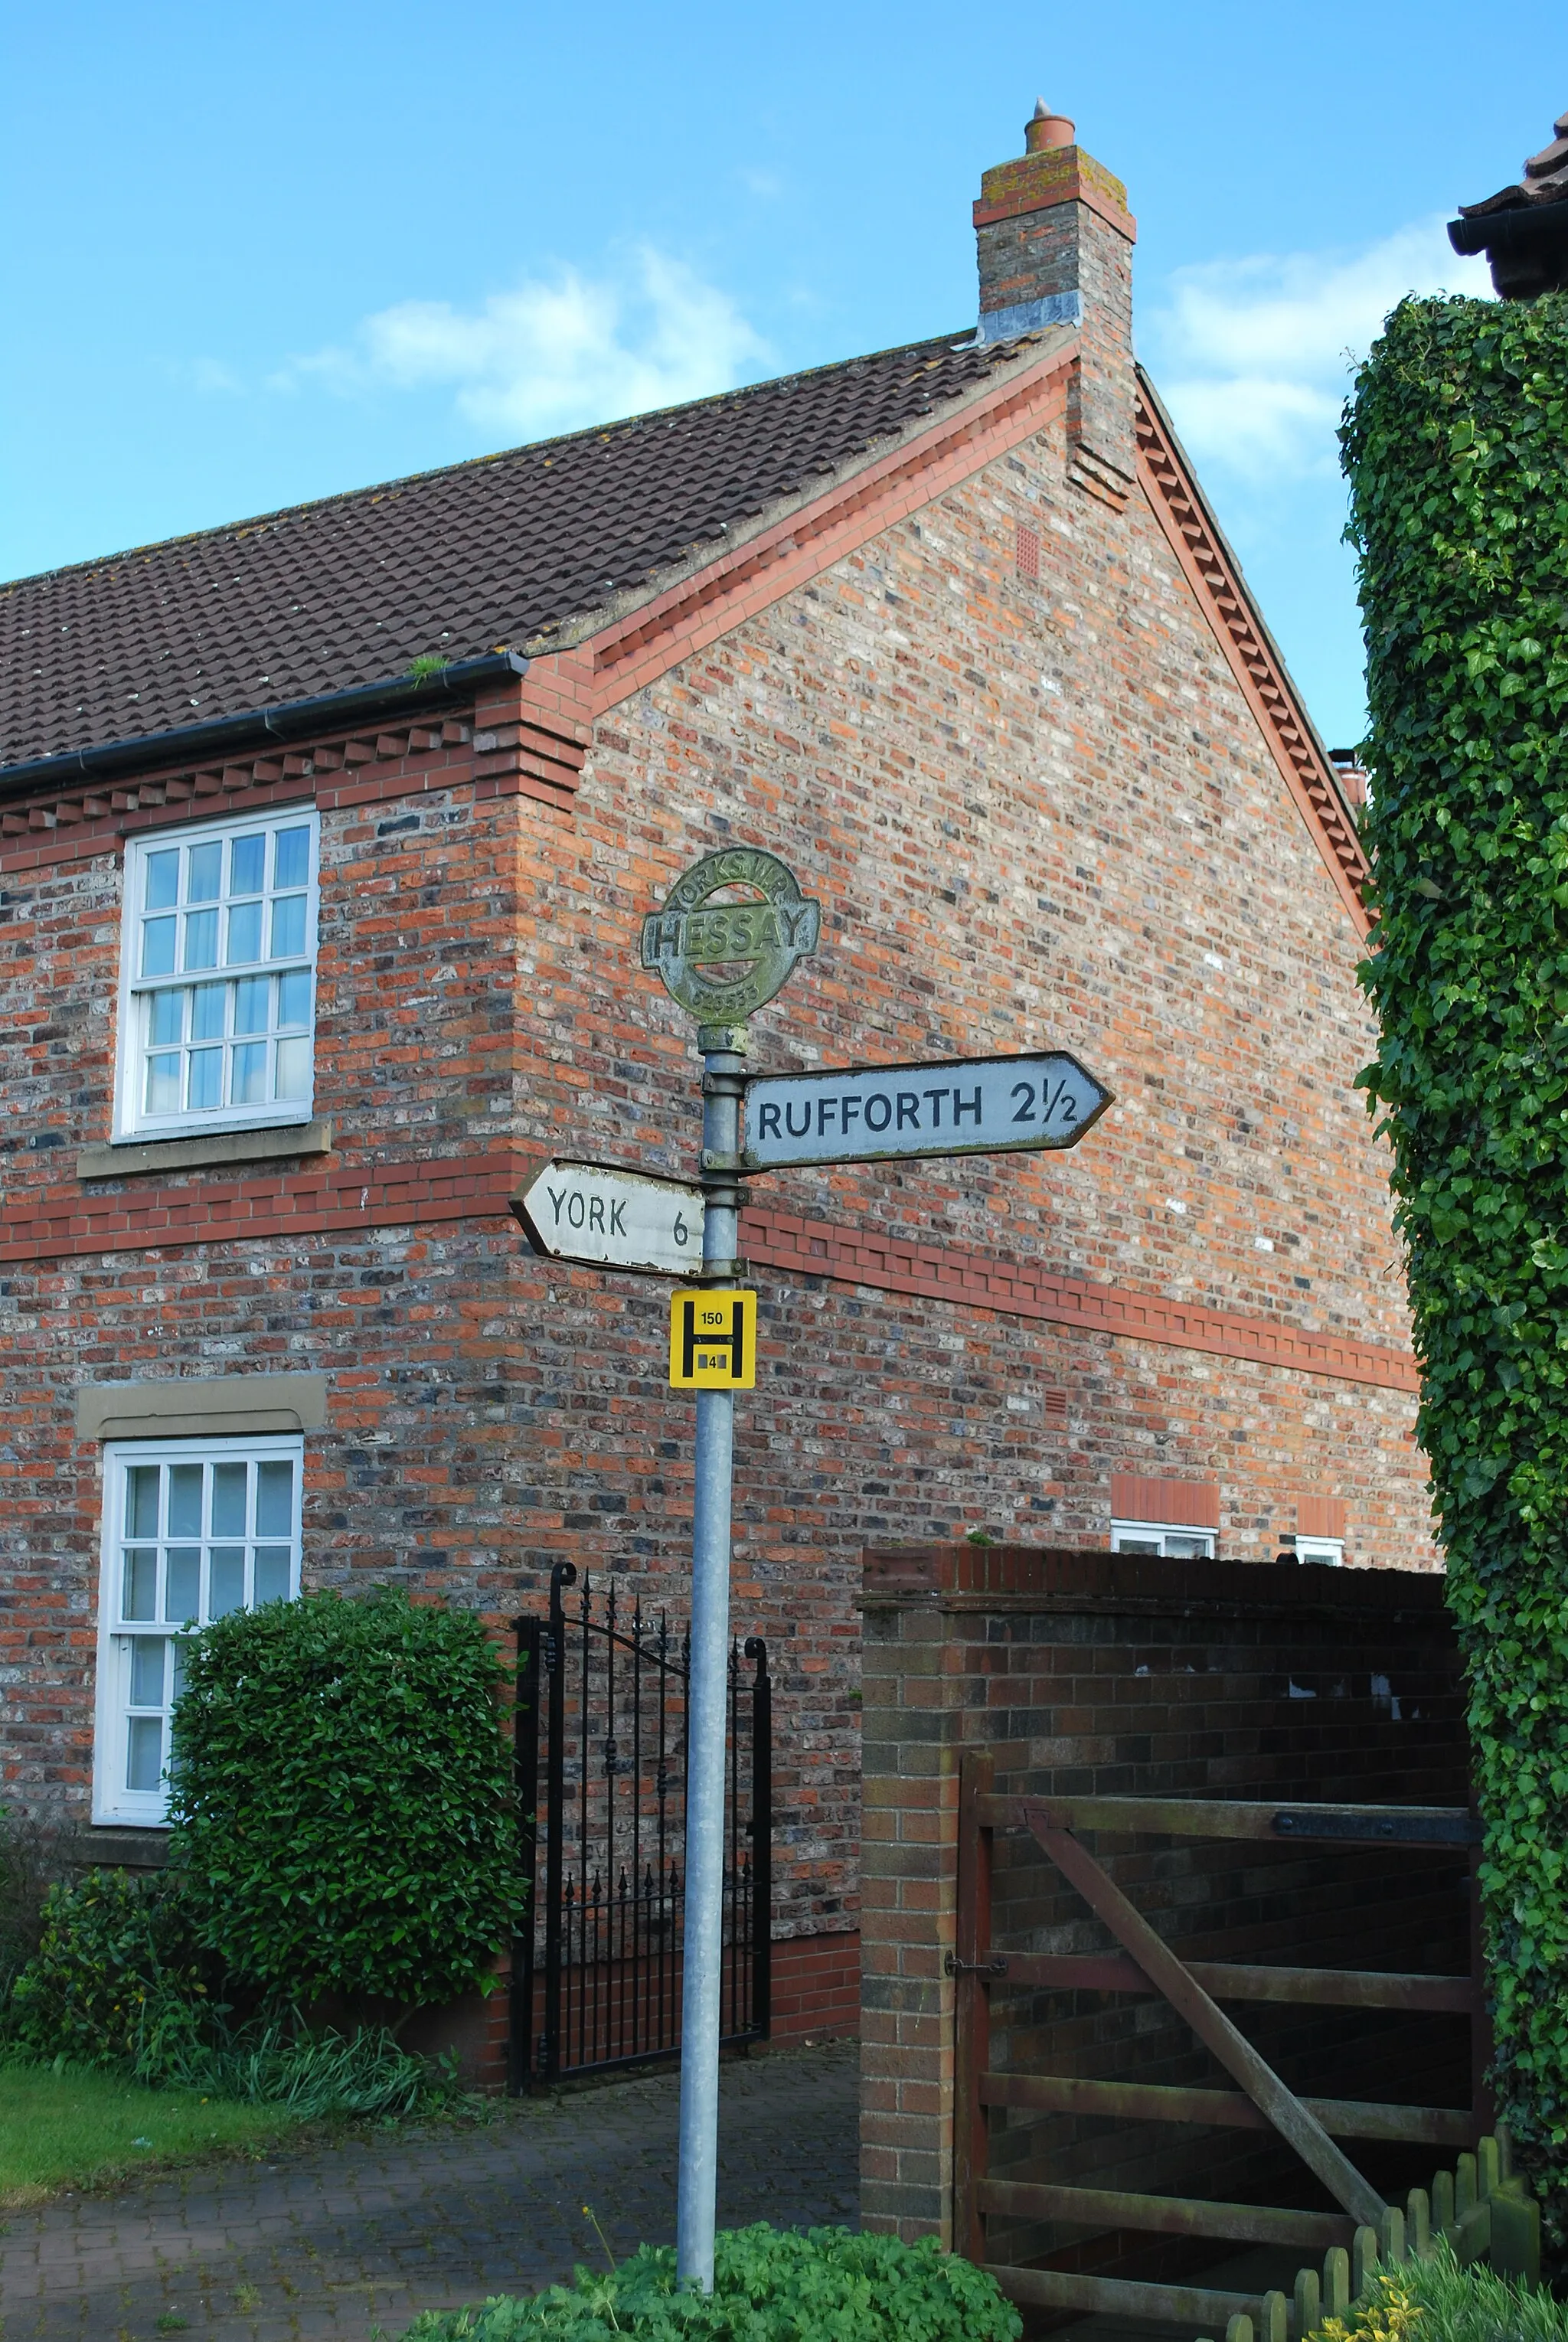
{"x": 770, "y": 2285}
{"x": 33, "y": 1857}
{"x": 1436, "y": 2300}
{"x": 1456, "y": 449}
{"x": 341, "y": 1798}
{"x": 118, "y": 1978}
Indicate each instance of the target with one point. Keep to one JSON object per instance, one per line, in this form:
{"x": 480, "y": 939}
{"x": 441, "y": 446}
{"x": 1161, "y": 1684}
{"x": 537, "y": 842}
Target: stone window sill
{"x": 221, "y": 1148}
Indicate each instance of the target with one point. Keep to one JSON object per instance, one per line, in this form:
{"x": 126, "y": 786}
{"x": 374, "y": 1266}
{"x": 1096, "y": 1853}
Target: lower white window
{"x": 1321, "y": 1549}
{"x": 1162, "y": 1540}
{"x": 193, "y": 1528}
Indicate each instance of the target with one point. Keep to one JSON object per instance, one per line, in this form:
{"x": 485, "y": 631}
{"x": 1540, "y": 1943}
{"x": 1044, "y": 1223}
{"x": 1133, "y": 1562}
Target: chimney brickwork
{"x": 1054, "y": 241}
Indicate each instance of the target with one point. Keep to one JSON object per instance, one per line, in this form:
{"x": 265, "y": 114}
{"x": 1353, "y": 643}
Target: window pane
{"x": 291, "y": 865}
{"x": 201, "y": 939}
{"x": 250, "y": 1074}
{"x": 294, "y": 997}
{"x": 206, "y": 1078}
{"x": 1125, "y": 1544}
{"x": 185, "y": 1501}
{"x": 275, "y": 1499}
{"x": 294, "y": 1068}
{"x": 288, "y": 926}
{"x": 1186, "y": 1548}
{"x": 163, "y": 879}
{"x": 226, "y": 1587}
{"x": 247, "y": 869}
{"x": 147, "y": 1671}
{"x": 272, "y": 1573}
{"x": 245, "y": 932}
{"x": 178, "y": 1685}
{"x": 157, "y": 946}
{"x": 145, "y": 1756}
{"x": 183, "y": 1586}
{"x": 142, "y": 1500}
{"x": 251, "y": 1002}
{"x": 141, "y": 1582}
{"x": 168, "y": 1015}
{"x": 163, "y": 1086}
{"x": 205, "y": 875}
{"x": 229, "y": 1499}
{"x": 208, "y": 1015}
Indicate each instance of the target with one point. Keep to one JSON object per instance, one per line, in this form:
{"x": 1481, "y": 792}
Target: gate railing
{"x": 1143, "y": 1963}
{"x": 600, "y": 1753}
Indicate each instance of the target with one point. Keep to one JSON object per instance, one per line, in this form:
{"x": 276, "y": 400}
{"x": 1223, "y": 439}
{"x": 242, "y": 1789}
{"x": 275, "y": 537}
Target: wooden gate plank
{"x": 1174, "y": 2216}
{"x": 1212, "y": 2027}
{"x": 1234, "y": 1980}
{"x": 1170, "y": 2305}
{"x": 1229, "y": 2109}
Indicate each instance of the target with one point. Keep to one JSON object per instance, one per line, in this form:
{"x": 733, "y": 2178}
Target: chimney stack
{"x": 1055, "y": 247}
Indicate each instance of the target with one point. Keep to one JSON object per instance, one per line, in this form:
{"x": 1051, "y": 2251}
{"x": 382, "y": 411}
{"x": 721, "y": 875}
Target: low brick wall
{"x": 1092, "y": 1673}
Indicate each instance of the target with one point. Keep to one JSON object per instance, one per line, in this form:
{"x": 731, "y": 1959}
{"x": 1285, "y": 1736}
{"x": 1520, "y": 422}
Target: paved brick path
{"x": 357, "y": 2237}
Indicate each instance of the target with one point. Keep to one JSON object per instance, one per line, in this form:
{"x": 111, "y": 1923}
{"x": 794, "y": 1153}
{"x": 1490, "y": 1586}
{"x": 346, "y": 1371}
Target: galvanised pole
{"x": 706, "y": 1699}
{"x": 724, "y": 1050}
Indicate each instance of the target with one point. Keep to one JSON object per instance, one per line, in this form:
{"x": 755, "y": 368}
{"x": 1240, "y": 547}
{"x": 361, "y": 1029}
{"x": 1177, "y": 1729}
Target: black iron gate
{"x": 600, "y": 1762}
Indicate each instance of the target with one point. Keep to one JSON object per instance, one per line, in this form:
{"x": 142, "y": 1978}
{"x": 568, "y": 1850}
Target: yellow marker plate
{"x": 713, "y": 1339}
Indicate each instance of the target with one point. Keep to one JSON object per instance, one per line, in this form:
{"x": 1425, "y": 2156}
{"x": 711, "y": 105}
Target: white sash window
{"x": 217, "y": 986}
{"x": 193, "y": 1528}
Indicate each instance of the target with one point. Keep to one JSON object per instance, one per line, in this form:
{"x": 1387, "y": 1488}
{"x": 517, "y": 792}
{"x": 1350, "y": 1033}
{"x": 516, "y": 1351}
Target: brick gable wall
{"x": 1036, "y": 811}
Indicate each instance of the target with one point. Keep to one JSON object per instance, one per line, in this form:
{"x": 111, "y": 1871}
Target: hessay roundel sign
{"x": 721, "y": 960}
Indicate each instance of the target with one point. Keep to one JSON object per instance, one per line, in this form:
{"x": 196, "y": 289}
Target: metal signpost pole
{"x": 724, "y": 1065}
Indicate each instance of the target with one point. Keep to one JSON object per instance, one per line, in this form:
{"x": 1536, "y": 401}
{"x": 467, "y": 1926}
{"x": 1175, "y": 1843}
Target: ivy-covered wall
{"x": 1456, "y": 449}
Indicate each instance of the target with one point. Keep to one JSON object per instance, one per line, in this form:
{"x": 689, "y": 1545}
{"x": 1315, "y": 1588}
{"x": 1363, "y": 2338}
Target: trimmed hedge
{"x": 1456, "y": 449}
{"x": 343, "y": 1801}
{"x": 770, "y": 2285}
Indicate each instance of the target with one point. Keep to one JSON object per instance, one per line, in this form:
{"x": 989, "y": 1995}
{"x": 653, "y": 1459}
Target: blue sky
{"x": 266, "y": 253}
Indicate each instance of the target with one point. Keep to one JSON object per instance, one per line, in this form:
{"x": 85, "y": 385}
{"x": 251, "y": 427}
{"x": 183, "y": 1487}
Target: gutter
{"x": 293, "y": 719}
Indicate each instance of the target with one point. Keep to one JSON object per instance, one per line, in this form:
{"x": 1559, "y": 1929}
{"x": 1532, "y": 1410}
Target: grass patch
{"x": 71, "y": 2127}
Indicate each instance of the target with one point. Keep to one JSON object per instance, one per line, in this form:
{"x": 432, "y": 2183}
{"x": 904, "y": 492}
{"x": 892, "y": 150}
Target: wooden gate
{"x": 1145, "y": 1964}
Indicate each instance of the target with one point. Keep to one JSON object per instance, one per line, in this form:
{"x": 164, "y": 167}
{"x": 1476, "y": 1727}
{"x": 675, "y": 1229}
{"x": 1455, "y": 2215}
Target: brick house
{"x": 307, "y": 955}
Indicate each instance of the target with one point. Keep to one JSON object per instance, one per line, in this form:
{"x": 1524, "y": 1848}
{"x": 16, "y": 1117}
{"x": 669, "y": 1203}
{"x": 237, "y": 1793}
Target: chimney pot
{"x": 1045, "y": 129}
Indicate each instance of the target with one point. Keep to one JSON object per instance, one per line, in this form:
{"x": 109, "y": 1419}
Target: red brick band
{"x": 479, "y": 1186}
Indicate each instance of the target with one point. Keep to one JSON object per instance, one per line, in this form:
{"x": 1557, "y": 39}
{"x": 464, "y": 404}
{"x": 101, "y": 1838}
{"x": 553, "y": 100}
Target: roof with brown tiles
{"x": 501, "y": 551}
{"x": 1545, "y": 179}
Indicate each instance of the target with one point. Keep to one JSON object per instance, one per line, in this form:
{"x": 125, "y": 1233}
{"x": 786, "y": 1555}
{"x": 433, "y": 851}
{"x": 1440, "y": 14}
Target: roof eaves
{"x": 571, "y": 631}
{"x": 1238, "y": 577}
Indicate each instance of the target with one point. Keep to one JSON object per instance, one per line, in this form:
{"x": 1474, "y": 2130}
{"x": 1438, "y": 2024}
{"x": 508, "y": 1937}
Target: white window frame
{"x": 133, "y": 1119}
{"x": 1325, "y": 1551}
{"x": 112, "y": 1801}
{"x": 1163, "y": 1540}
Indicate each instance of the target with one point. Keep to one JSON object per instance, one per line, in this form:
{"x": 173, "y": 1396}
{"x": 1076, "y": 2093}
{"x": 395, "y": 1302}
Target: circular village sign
{"x": 723, "y": 960}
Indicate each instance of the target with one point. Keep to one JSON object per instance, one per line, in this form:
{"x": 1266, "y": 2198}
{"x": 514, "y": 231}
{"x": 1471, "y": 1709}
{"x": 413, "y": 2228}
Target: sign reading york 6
{"x": 721, "y": 960}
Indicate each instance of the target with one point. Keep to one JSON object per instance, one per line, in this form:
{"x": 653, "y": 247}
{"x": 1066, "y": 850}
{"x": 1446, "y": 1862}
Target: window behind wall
{"x": 218, "y": 959}
{"x": 1177, "y": 1520}
{"x": 192, "y": 1529}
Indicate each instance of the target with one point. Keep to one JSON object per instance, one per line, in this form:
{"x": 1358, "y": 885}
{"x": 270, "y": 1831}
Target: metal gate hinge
{"x": 953, "y": 1967}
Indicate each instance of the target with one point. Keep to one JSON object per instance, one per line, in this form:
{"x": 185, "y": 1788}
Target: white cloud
{"x": 1254, "y": 355}
{"x": 552, "y": 356}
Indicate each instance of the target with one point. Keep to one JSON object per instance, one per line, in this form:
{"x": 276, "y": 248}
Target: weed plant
{"x": 770, "y": 2285}
{"x": 1436, "y": 2300}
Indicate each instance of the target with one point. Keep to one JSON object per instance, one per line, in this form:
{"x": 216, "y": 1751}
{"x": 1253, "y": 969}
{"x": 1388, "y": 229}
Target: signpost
{"x": 726, "y": 938}
{"x": 610, "y": 1218}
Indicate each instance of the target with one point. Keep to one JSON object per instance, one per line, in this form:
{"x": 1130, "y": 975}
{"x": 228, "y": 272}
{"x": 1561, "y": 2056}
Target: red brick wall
{"x": 1037, "y": 812}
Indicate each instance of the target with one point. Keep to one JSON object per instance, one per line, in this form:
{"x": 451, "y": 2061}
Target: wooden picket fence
{"x": 1483, "y": 2209}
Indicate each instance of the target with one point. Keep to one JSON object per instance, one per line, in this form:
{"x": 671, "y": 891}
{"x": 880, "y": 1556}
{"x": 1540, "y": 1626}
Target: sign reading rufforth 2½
{"x": 959, "y": 1106}
{"x": 721, "y": 960}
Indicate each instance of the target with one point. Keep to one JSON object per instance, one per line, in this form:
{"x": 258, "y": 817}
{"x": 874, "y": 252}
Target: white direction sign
{"x": 614, "y": 1220}
{"x": 961, "y": 1105}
